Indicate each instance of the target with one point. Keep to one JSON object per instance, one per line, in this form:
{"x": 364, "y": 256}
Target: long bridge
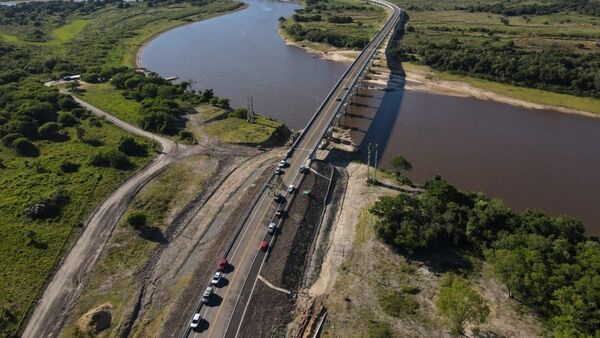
{"x": 243, "y": 251}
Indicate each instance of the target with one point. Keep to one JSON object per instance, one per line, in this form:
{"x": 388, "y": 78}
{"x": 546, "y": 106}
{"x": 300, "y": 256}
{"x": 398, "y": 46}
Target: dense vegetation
{"x": 550, "y": 46}
{"x": 339, "y": 23}
{"x": 57, "y": 161}
{"x": 546, "y": 263}
{"x": 555, "y": 70}
{"x": 510, "y": 8}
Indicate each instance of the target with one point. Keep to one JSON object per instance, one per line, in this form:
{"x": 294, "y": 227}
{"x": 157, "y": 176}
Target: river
{"x": 530, "y": 158}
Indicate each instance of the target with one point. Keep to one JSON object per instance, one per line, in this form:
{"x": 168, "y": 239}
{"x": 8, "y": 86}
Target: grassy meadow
{"x": 29, "y": 249}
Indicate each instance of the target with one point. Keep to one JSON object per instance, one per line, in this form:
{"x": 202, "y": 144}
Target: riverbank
{"x": 134, "y": 54}
{"x": 321, "y": 50}
{"x": 422, "y": 78}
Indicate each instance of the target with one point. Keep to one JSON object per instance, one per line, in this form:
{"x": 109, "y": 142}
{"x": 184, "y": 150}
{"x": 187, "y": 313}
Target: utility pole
{"x": 368, "y": 160}
{"x": 250, "y": 115}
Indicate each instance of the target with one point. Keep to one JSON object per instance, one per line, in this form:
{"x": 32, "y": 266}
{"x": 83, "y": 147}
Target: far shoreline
{"x": 137, "y": 57}
{"x": 426, "y": 83}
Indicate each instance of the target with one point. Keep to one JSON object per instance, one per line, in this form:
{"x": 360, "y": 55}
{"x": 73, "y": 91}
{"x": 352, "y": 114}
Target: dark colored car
{"x": 222, "y": 264}
{"x": 264, "y": 245}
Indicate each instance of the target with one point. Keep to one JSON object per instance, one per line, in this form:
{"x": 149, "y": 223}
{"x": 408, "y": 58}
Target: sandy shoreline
{"x": 421, "y": 82}
{"x": 338, "y": 55}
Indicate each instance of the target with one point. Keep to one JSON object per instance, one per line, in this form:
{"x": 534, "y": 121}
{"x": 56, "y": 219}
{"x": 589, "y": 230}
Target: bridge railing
{"x": 392, "y": 22}
{"x": 339, "y": 82}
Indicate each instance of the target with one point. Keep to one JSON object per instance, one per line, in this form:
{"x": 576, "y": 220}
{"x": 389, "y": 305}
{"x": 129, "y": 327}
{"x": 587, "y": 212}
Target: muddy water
{"x": 529, "y": 158}
{"x": 241, "y": 54}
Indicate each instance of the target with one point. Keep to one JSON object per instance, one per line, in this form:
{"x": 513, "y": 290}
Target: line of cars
{"x": 223, "y": 263}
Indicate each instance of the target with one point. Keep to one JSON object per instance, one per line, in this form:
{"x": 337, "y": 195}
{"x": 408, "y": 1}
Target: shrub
{"x": 186, "y": 135}
{"x": 340, "y": 19}
{"x": 48, "y": 207}
{"x": 49, "y": 130}
{"x": 240, "y": 113}
{"x": 397, "y": 304}
{"x": 69, "y": 167}
{"x": 67, "y": 103}
{"x": 24, "y": 147}
{"x": 114, "y": 159}
{"x": 137, "y": 219}
{"x": 67, "y": 120}
{"x": 223, "y": 102}
{"x": 214, "y": 101}
{"x": 10, "y": 138}
{"x": 128, "y": 146}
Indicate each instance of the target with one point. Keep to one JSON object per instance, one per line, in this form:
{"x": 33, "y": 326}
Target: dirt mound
{"x": 96, "y": 320}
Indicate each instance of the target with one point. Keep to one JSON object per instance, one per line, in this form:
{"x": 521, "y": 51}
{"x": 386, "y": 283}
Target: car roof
{"x": 196, "y": 316}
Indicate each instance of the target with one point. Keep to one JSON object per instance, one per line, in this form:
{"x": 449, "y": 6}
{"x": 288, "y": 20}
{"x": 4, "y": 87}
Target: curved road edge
{"x": 63, "y": 289}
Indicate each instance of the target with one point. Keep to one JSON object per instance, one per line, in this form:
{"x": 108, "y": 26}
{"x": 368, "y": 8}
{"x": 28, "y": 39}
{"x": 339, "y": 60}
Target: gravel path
{"x": 63, "y": 289}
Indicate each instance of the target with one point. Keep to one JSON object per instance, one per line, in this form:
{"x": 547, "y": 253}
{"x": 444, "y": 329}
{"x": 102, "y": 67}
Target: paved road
{"x": 223, "y": 316}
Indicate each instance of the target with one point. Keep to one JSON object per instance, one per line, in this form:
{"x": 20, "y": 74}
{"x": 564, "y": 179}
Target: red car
{"x": 222, "y": 264}
{"x": 264, "y": 245}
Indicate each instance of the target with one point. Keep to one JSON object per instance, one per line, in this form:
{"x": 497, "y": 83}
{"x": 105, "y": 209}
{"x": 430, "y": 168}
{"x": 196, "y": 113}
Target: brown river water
{"x": 529, "y": 158}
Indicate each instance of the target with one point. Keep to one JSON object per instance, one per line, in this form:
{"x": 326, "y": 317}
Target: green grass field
{"x": 69, "y": 31}
{"x": 25, "y": 262}
{"x": 104, "y": 96}
{"x": 239, "y": 131}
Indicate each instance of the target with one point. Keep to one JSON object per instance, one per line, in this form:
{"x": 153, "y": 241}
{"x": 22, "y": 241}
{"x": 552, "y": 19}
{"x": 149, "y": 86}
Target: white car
{"x": 216, "y": 278}
{"x": 195, "y": 321}
{"x": 282, "y": 164}
{"x": 206, "y": 295}
{"x": 291, "y": 188}
{"x": 272, "y": 227}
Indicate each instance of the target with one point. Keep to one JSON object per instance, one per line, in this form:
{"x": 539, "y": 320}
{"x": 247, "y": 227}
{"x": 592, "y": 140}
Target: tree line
{"x": 547, "y": 263}
{"x": 586, "y": 7}
{"x": 298, "y": 33}
{"x": 555, "y": 70}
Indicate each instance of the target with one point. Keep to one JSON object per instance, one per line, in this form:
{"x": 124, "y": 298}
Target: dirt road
{"x": 62, "y": 290}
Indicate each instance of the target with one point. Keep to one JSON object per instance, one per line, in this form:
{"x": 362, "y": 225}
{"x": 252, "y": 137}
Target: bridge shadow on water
{"x": 372, "y": 116}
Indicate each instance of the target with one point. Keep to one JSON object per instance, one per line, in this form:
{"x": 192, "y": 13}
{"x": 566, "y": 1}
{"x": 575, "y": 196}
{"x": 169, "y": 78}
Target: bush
{"x": 49, "y": 130}
{"x": 10, "y": 138}
{"x": 397, "y": 304}
{"x": 223, "y": 102}
{"x": 340, "y": 19}
{"x": 128, "y": 146}
{"x": 159, "y": 122}
{"x": 186, "y": 135}
{"x": 67, "y": 120}
{"x": 69, "y": 167}
{"x": 47, "y": 207}
{"x": 114, "y": 159}
{"x": 24, "y": 147}
{"x": 137, "y": 219}
{"x": 240, "y": 113}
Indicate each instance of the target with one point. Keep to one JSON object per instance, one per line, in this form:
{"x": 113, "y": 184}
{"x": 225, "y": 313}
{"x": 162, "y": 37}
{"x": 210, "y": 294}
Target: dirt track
{"x": 63, "y": 289}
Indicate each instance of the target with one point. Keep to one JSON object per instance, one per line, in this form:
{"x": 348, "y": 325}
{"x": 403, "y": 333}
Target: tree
{"x": 49, "y": 130}
{"x": 67, "y": 119}
{"x": 399, "y": 163}
{"x": 458, "y": 304}
{"x": 137, "y": 219}
{"x": 129, "y": 146}
{"x": 25, "y": 148}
